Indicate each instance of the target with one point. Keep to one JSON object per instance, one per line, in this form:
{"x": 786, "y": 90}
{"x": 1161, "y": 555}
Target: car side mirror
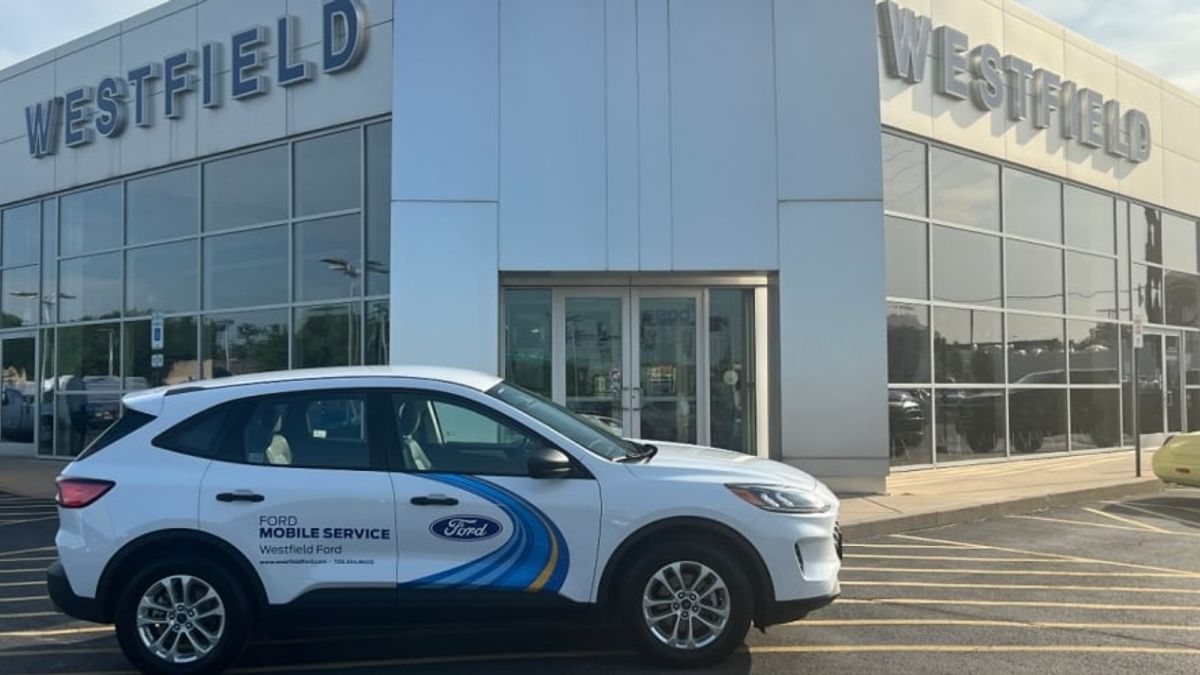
{"x": 550, "y": 463}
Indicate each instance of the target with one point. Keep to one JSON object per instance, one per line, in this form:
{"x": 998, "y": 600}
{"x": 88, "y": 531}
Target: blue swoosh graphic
{"x": 534, "y": 559}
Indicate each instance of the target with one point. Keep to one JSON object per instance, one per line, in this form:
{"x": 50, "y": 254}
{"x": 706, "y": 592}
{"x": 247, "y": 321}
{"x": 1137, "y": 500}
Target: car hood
{"x": 677, "y": 461}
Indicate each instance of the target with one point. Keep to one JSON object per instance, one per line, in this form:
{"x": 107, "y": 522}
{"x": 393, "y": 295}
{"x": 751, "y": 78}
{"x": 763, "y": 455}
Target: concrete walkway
{"x": 932, "y": 497}
{"x": 915, "y": 499}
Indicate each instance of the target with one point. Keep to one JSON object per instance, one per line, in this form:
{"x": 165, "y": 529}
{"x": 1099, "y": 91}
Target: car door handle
{"x": 240, "y": 497}
{"x": 434, "y": 500}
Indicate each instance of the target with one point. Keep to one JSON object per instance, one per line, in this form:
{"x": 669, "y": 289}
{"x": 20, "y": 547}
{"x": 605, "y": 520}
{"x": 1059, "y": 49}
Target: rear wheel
{"x": 687, "y": 606}
{"x": 182, "y": 618}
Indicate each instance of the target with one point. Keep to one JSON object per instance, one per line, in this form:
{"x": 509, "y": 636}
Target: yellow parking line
{"x": 23, "y": 571}
{"x": 1026, "y": 572}
{"x": 55, "y": 632}
{"x": 998, "y": 649}
{"x": 1109, "y": 527}
{"x": 818, "y": 623}
{"x": 10, "y": 584}
{"x": 36, "y": 559}
{"x": 27, "y": 514}
{"x": 28, "y": 598}
{"x": 910, "y": 546}
{"x": 29, "y": 615}
{"x": 1128, "y": 521}
{"x": 28, "y": 520}
{"x": 1155, "y": 514}
{"x": 3, "y": 554}
{"x": 1058, "y": 556}
{"x": 1015, "y": 603}
{"x": 1022, "y": 587}
{"x": 953, "y": 558}
{"x": 1144, "y": 505}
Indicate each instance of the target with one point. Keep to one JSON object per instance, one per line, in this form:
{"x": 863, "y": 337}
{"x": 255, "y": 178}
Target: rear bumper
{"x": 87, "y": 609}
{"x": 791, "y": 610}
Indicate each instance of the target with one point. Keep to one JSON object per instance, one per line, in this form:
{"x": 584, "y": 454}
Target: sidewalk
{"x": 928, "y": 498}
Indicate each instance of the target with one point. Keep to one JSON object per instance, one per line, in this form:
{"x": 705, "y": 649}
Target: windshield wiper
{"x": 645, "y": 451}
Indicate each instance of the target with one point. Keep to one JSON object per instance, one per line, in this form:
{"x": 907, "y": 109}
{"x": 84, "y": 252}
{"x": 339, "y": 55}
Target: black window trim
{"x": 391, "y": 425}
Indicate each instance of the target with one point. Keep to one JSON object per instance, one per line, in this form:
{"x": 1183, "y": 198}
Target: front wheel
{"x": 687, "y": 606}
{"x": 182, "y": 618}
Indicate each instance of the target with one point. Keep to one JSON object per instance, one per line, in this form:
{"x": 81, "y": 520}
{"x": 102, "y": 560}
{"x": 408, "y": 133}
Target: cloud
{"x": 1159, "y": 35}
{"x": 30, "y": 28}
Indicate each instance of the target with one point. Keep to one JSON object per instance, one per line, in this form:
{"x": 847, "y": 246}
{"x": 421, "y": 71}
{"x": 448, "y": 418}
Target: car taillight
{"x": 76, "y": 493}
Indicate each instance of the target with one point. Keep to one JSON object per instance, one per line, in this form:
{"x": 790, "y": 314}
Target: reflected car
{"x": 1178, "y": 460}
{"x": 906, "y": 421}
{"x": 16, "y": 415}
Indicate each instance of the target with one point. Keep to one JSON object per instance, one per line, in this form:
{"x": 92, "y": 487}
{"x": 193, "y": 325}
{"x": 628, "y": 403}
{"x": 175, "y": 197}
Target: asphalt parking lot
{"x": 1104, "y": 587}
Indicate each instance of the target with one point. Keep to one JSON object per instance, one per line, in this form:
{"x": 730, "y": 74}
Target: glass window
{"x": 965, "y": 190}
{"x": 163, "y": 206}
{"x": 328, "y": 258}
{"x": 327, "y": 336}
{"x": 1038, "y": 420}
{"x": 970, "y": 424}
{"x": 1035, "y": 350}
{"x": 244, "y": 342}
{"x": 179, "y": 362}
{"x": 246, "y": 189}
{"x": 1095, "y": 418}
{"x": 968, "y": 345}
{"x": 1193, "y": 409}
{"x": 1183, "y": 299}
{"x": 378, "y": 330}
{"x": 1148, "y": 292}
{"x": 1150, "y": 376}
{"x": 20, "y": 235}
{"x": 319, "y": 431}
{"x": 1124, "y": 284}
{"x": 48, "y": 386}
{"x": 1191, "y": 362}
{"x": 903, "y": 175}
{"x": 908, "y": 343}
{"x": 89, "y": 358}
{"x": 197, "y": 435}
{"x": 1032, "y": 206}
{"x": 328, "y": 173}
{"x": 22, "y": 304}
{"x": 731, "y": 368}
{"x": 966, "y": 267}
{"x": 379, "y": 207}
{"x": 1092, "y": 285}
{"x": 447, "y": 436}
{"x": 1035, "y": 277}
{"x": 1092, "y": 350}
{"x": 92, "y": 220}
{"x": 1089, "y": 219}
{"x": 90, "y": 288}
{"x": 1146, "y": 233}
{"x": 907, "y": 258}
{"x": 161, "y": 279}
{"x": 1179, "y": 243}
{"x": 49, "y": 249}
{"x": 909, "y": 417}
{"x": 79, "y": 418}
{"x": 246, "y": 269}
{"x": 528, "y": 339}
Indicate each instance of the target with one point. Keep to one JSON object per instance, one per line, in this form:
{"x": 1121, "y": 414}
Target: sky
{"x": 1159, "y": 35}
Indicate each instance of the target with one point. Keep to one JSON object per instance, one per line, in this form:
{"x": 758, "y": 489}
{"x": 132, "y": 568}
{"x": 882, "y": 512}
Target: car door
{"x": 471, "y": 520}
{"x": 302, "y": 491}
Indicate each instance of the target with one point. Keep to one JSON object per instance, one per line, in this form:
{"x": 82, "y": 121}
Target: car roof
{"x": 139, "y": 400}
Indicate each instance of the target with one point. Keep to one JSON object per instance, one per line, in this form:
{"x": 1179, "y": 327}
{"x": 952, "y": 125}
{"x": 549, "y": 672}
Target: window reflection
{"x": 968, "y": 345}
{"x": 328, "y": 335}
{"x": 1035, "y": 350}
{"x": 1092, "y": 285}
{"x": 1179, "y": 243}
{"x": 1038, "y": 420}
{"x": 22, "y": 304}
{"x": 91, "y": 220}
{"x": 379, "y": 207}
{"x": 903, "y": 175}
{"x": 179, "y": 362}
{"x": 731, "y": 368}
{"x": 161, "y": 279}
{"x": 1035, "y": 277}
{"x": 965, "y": 190}
{"x": 908, "y": 343}
{"x": 970, "y": 424}
{"x": 1092, "y": 352}
{"x": 246, "y": 189}
{"x": 1183, "y": 299}
{"x": 246, "y": 269}
{"x": 1145, "y": 226}
{"x": 966, "y": 267}
{"x": 1095, "y": 418}
{"x": 163, "y": 206}
{"x": 328, "y": 173}
{"x": 237, "y": 343}
{"x": 528, "y": 339}
{"x": 909, "y": 419}
{"x": 1032, "y": 206}
{"x": 328, "y": 258}
{"x": 378, "y": 331}
{"x": 907, "y": 258}
{"x": 1089, "y": 219}
{"x": 90, "y": 288}
{"x": 1148, "y": 292}
{"x": 19, "y": 240}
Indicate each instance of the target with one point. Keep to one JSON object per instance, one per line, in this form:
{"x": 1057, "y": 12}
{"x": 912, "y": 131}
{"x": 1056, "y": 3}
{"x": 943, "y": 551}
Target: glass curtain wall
{"x": 265, "y": 259}
{"x": 1010, "y": 296}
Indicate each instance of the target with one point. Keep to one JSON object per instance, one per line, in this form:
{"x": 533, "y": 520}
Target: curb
{"x": 922, "y": 521}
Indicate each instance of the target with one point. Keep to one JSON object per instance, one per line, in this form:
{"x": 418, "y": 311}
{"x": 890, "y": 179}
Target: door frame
{"x": 558, "y": 345}
{"x": 1181, "y": 373}
{"x": 703, "y": 390}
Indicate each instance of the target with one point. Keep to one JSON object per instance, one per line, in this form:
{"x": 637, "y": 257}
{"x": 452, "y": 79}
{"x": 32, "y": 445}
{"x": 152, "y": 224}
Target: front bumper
{"x": 791, "y": 610}
{"x": 65, "y": 600}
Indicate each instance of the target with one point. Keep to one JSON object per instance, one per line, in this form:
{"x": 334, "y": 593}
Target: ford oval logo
{"x": 466, "y": 528}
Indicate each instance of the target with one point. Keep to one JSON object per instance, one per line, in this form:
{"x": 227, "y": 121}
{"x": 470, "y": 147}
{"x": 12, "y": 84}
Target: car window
{"x": 446, "y": 435}
{"x": 326, "y": 431}
{"x": 196, "y": 435}
{"x": 589, "y": 433}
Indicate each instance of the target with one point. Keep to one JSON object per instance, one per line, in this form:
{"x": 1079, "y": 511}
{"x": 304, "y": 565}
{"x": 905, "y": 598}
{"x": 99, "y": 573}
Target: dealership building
{"x": 850, "y": 236}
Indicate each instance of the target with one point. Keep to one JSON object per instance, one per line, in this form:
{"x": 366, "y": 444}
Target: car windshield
{"x": 586, "y": 432}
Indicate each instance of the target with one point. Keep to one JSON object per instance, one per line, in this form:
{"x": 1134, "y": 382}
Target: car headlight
{"x": 781, "y": 498}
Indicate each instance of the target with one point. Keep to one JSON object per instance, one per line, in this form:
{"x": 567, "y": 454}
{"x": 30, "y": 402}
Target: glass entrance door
{"x": 595, "y": 333}
{"x": 1161, "y": 383}
{"x": 665, "y": 394}
{"x": 18, "y": 395}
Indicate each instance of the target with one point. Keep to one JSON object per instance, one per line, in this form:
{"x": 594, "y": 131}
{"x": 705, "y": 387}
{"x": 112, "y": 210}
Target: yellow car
{"x": 1178, "y": 460}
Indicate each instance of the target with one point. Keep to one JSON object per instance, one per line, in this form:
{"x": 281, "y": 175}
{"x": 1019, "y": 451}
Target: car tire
{"x": 704, "y": 583}
{"x": 209, "y": 601}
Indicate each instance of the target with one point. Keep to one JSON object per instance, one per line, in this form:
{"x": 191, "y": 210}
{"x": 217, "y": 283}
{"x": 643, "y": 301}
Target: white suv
{"x": 413, "y": 493}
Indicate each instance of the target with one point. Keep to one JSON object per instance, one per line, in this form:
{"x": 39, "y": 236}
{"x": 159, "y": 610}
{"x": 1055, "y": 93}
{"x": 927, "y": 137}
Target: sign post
{"x": 1139, "y": 339}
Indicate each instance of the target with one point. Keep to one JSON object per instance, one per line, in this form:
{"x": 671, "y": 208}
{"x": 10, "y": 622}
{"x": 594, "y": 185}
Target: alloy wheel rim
{"x": 686, "y": 605}
{"x": 180, "y": 618}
